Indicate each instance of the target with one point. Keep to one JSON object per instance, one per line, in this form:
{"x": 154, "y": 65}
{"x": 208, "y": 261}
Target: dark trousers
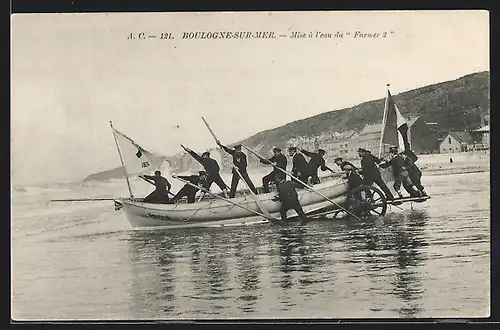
{"x": 415, "y": 177}
{"x": 236, "y": 178}
{"x": 314, "y": 177}
{"x": 302, "y": 177}
{"x": 218, "y": 181}
{"x": 158, "y": 197}
{"x": 292, "y": 206}
{"x": 354, "y": 181}
{"x": 271, "y": 177}
{"x": 186, "y": 191}
{"x": 371, "y": 179}
{"x": 403, "y": 178}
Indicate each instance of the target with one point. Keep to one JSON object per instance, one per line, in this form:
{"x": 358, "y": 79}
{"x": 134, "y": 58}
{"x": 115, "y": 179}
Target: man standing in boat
{"x": 188, "y": 191}
{"x": 211, "y": 167}
{"x": 315, "y": 163}
{"x": 414, "y": 172}
{"x": 160, "y": 194}
{"x": 396, "y": 162}
{"x": 278, "y": 160}
{"x": 299, "y": 165}
{"x": 371, "y": 173}
{"x": 289, "y": 198}
{"x": 240, "y": 162}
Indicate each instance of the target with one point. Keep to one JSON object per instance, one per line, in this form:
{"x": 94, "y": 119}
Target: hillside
{"x": 454, "y": 105}
{"x": 115, "y": 173}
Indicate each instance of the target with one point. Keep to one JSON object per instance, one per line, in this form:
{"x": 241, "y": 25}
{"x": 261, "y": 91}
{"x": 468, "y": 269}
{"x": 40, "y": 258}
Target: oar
{"x": 255, "y": 198}
{"x": 224, "y": 199}
{"x": 304, "y": 184}
{"x": 82, "y": 200}
{"x": 211, "y": 132}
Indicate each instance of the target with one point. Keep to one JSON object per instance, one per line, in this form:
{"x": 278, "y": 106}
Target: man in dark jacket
{"x": 316, "y": 162}
{"x": 280, "y": 161}
{"x": 400, "y": 173}
{"x": 160, "y": 194}
{"x": 299, "y": 165}
{"x": 371, "y": 173}
{"x": 188, "y": 191}
{"x": 414, "y": 172}
{"x": 211, "y": 167}
{"x": 343, "y": 163}
{"x": 353, "y": 178}
{"x": 289, "y": 198}
{"x": 240, "y": 162}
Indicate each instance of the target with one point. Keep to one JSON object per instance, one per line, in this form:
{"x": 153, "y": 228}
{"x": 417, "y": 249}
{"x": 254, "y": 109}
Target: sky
{"x": 73, "y": 73}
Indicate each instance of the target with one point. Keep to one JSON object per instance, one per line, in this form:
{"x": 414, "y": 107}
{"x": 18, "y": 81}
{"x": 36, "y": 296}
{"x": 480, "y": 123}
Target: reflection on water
{"x": 224, "y": 274}
{"x": 428, "y": 262}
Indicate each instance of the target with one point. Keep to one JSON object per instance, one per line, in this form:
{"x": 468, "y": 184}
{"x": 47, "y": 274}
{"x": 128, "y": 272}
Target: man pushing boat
{"x": 315, "y": 163}
{"x": 414, "y": 173}
{"x": 240, "y": 162}
{"x": 289, "y": 198}
{"x": 300, "y": 169}
{"x": 401, "y": 176}
{"x": 280, "y": 161}
{"x": 371, "y": 173}
{"x": 211, "y": 167}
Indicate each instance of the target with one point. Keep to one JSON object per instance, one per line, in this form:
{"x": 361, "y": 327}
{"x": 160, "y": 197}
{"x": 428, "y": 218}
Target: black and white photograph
{"x": 267, "y": 165}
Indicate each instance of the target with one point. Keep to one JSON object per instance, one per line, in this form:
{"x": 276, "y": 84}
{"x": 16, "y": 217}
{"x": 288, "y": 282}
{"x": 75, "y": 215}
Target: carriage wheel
{"x": 365, "y": 201}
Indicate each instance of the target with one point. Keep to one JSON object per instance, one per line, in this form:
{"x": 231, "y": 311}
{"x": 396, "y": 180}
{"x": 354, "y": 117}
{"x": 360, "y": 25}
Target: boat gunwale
{"x": 223, "y": 204}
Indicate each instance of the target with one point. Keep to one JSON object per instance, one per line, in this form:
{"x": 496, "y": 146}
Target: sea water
{"x": 83, "y": 261}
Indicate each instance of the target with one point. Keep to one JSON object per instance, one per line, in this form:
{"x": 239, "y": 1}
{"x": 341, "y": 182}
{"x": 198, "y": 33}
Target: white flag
{"x": 137, "y": 160}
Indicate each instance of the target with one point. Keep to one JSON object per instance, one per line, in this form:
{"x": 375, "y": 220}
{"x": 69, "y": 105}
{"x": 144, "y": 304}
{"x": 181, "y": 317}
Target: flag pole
{"x": 121, "y": 159}
{"x": 384, "y": 121}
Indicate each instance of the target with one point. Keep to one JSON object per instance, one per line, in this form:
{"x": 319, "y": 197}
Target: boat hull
{"x": 218, "y": 213}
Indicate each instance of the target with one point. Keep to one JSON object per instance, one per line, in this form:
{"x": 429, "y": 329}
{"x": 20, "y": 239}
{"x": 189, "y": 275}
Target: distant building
{"x": 422, "y": 137}
{"x": 369, "y": 139}
{"x": 456, "y": 142}
{"x": 484, "y": 136}
{"x": 340, "y": 145}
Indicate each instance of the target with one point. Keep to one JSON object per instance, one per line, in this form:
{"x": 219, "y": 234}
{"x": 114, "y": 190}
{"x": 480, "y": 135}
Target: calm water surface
{"x": 83, "y": 261}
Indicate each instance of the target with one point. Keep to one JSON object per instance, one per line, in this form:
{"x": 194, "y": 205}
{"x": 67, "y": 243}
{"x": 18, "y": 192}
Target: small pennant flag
{"x": 137, "y": 159}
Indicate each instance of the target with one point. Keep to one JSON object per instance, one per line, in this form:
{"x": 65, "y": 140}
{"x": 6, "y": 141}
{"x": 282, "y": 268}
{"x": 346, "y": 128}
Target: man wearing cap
{"x": 400, "y": 173}
{"x": 160, "y": 194}
{"x": 371, "y": 173}
{"x": 289, "y": 198}
{"x": 317, "y": 161}
{"x": 211, "y": 167}
{"x": 240, "y": 162}
{"x": 188, "y": 191}
{"x": 279, "y": 160}
{"x": 299, "y": 165}
{"x": 343, "y": 163}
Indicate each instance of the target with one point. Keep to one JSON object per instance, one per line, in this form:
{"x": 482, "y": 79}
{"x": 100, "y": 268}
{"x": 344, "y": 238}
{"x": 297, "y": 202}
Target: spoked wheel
{"x": 365, "y": 201}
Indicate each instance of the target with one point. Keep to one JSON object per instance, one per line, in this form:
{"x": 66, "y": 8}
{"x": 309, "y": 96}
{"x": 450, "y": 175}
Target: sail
{"x": 394, "y": 133}
{"x": 137, "y": 160}
{"x": 394, "y": 127}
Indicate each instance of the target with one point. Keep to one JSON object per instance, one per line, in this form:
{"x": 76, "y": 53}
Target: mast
{"x": 384, "y": 120}
{"x": 121, "y": 159}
